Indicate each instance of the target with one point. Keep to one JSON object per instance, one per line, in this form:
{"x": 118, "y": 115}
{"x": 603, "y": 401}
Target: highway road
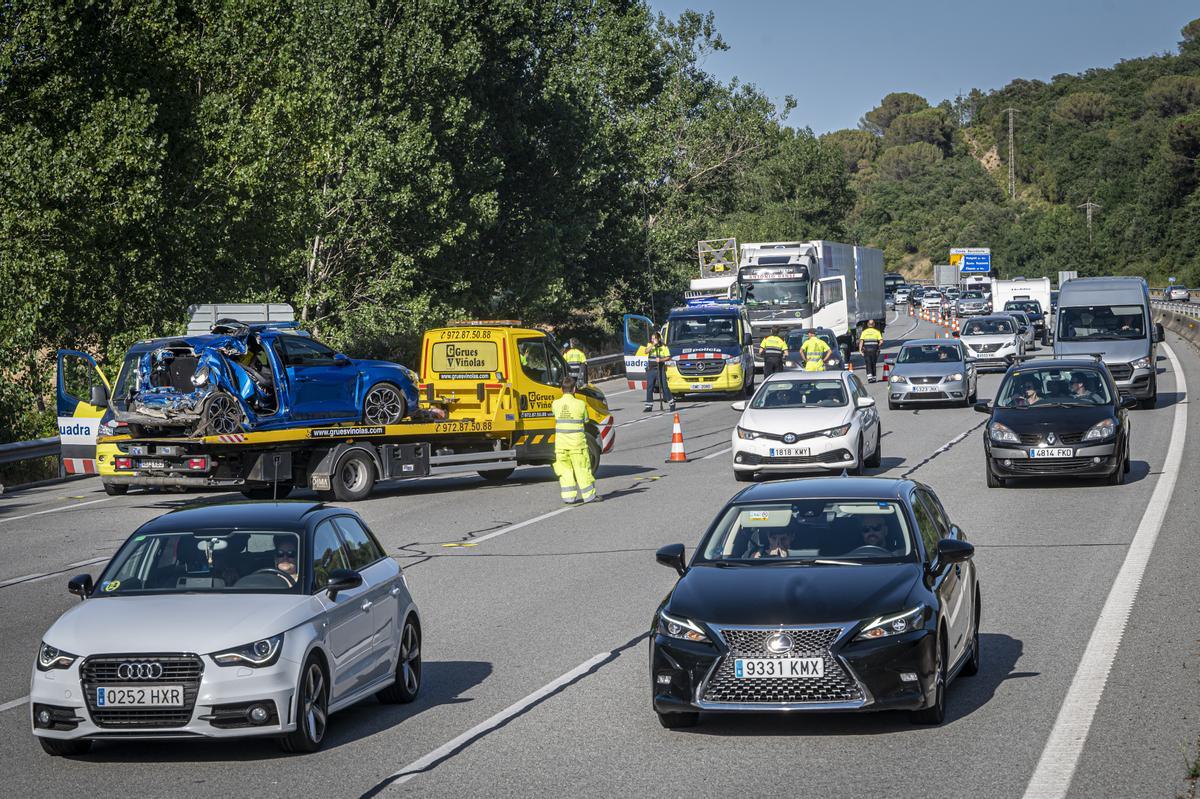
{"x": 536, "y": 619}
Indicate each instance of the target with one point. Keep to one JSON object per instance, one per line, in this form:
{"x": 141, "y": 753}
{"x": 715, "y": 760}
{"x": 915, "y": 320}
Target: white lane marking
{"x": 54, "y": 510}
{"x": 653, "y": 415}
{"x": 419, "y": 766}
{"x": 954, "y": 441}
{"x": 715, "y": 454}
{"x": 14, "y": 703}
{"x": 29, "y": 578}
{"x": 1052, "y": 776}
{"x": 619, "y": 393}
{"x": 519, "y": 525}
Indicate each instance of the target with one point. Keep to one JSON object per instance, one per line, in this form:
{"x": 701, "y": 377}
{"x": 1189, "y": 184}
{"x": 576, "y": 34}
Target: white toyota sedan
{"x": 806, "y": 422}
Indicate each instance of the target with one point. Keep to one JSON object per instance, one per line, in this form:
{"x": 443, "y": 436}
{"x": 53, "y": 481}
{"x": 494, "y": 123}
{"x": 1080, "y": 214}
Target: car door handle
{"x": 395, "y": 591}
{"x": 366, "y": 604}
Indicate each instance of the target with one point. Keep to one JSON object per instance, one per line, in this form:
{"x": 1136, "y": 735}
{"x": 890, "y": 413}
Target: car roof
{"x": 924, "y": 342}
{"x": 282, "y": 515}
{"x": 1060, "y": 363}
{"x": 990, "y": 317}
{"x": 876, "y": 488}
{"x": 800, "y": 374}
{"x": 803, "y": 331}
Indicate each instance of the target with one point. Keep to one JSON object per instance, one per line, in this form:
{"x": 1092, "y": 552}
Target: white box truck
{"x": 1022, "y": 288}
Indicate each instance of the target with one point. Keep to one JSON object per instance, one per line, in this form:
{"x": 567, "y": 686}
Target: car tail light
{"x": 197, "y": 464}
{"x": 122, "y": 463}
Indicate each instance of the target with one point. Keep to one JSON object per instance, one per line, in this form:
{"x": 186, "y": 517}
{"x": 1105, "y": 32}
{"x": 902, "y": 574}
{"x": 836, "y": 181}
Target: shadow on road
{"x": 1168, "y": 398}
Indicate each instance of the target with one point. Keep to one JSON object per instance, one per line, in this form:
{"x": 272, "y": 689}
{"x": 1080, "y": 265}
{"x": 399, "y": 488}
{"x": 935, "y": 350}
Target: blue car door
{"x": 321, "y": 387}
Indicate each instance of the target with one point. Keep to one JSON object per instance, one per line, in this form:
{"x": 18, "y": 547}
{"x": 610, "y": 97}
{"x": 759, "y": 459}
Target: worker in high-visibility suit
{"x": 576, "y": 360}
{"x": 815, "y": 352}
{"x": 869, "y": 343}
{"x": 772, "y": 349}
{"x": 656, "y": 354}
{"x": 572, "y": 463}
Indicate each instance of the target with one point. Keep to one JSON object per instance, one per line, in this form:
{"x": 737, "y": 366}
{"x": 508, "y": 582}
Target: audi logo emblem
{"x": 139, "y": 671}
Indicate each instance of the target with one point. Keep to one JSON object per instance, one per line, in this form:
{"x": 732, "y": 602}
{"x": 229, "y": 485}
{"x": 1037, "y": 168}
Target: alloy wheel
{"x": 410, "y": 658}
{"x": 224, "y": 415}
{"x": 383, "y": 405}
{"x": 315, "y": 709}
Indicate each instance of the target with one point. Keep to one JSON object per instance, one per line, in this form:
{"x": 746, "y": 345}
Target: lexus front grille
{"x": 836, "y": 685}
{"x": 177, "y": 669}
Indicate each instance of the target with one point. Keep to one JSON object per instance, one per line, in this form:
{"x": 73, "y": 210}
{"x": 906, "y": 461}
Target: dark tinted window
{"x": 327, "y": 555}
{"x": 302, "y": 351}
{"x": 938, "y": 512}
{"x": 927, "y": 527}
{"x": 361, "y": 546}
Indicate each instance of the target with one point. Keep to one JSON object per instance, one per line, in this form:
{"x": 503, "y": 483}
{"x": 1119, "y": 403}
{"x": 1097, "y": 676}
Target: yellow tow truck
{"x": 486, "y": 389}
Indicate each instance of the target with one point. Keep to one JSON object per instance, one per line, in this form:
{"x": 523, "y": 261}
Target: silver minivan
{"x": 1110, "y": 317}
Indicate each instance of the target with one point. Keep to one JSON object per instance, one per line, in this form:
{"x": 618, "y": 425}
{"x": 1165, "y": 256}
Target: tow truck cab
{"x": 711, "y": 348}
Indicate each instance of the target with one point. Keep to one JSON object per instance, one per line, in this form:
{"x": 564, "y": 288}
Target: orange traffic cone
{"x": 677, "y": 454}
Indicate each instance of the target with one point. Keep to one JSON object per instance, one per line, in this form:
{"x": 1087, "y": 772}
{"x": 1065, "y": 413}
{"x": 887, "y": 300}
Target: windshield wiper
{"x": 828, "y": 562}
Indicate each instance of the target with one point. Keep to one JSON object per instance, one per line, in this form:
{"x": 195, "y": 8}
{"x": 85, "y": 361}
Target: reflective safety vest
{"x": 871, "y": 336}
{"x": 570, "y": 416}
{"x": 814, "y": 354}
{"x": 575, "y": 356}
{"x": 661, "y": 351}
{"x": 773, "y": 345}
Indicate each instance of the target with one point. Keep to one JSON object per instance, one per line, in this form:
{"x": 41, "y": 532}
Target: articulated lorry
{"x": 805, "y": 284}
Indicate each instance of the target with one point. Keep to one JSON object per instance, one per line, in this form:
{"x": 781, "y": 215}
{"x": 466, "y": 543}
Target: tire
{"x": 269, "y": 492}
{"x": 384, "y": 404}
{"x": 408, "y": 668}
{"x": 971, "y": 400}
{"x": 858, "y": 462}
{"x": 993, "y": 480}
{"x": 1117, "y": 477}
{"x": 876, "y": 456}
{"x": 743, "y": 476}
{"x": 312, "y": 709}
{"x": 496, "y": 475}
{"x": 971, "y": 667}
{"x": 59, "y": 748}
{"x": 353, "y": 478}
{"x": 113, "y": 490}
{"x": 894, "y": 406}
{"x": 222, "y": 415}
{"x": 676, "y": 721}
{"x": 936, "y": 713}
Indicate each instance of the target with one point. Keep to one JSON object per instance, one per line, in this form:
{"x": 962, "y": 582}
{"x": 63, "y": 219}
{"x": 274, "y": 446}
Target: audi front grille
{"x": 177, "y": 669}
{"x": 836, "y": 686}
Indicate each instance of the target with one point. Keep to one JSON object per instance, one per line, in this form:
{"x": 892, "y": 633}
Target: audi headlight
{"x": 200, "y": 376}
{"x": 51, "y": 657}
{"x": 681, "y": 628}
{"x": 256, "y": 655}
{"x": 835, "y": 432}
{"x": 1141, "y": 363}
{"x": 1106, "y": 428}
{"x": 1002, "y": 433}
{"x": 748, "y": 435}
{"x": 894, "y": 624}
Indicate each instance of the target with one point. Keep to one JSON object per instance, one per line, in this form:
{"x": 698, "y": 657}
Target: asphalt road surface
{"x": 536, "y": 619}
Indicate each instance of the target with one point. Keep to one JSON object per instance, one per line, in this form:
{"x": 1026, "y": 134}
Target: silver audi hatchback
{"x": 229, "y": 620}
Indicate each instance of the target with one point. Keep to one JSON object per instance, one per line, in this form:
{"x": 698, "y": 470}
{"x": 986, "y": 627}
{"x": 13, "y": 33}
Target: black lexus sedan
{"x": 829, "y": 594}
{"x": 1057, "y": 418}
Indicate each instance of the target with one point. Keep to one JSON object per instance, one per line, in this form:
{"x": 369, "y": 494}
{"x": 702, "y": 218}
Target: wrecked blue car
{"x": 255, "y": 377}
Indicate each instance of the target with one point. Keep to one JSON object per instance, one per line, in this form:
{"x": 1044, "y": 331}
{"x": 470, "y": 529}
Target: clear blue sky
{"x": 838, "y": 58}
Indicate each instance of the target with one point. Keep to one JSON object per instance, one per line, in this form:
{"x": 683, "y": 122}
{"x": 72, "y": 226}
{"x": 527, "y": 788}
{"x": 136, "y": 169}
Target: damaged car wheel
{"x": 384, "y": 404}
{"x": 222, "y": 415}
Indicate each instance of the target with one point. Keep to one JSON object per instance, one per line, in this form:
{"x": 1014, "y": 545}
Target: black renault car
{"x": 830, "y": 594}
{"x": 1057, "y": 418}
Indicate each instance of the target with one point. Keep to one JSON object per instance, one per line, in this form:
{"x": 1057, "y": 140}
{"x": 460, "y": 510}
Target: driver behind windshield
{"x": 285, "y": 555}
{"x": 1027, "y": 393}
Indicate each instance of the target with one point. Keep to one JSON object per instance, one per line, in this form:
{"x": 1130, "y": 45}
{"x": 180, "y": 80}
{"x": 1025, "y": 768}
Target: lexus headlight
{"x": 748, "y": 435}
{"x": 894, "y": 624}
{"x": 1106, "y": 428}
{"x": 255, "y": 655}
{"x": 200, "y": 376}
{"x": 50, "y": 657}
{"x": 835, "y": 432}
{"x": 1141, "y": 363}
{"x": 679, "y": 627}
{"x": 1001, "y": 432}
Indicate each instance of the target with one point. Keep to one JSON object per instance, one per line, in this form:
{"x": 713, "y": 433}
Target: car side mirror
{"x": 339, "y": 359}
{"x": 80, "y": 585}
{"x": 866, "y": 402}
{"x": 671, "y": 555}
{"x": 983, "y": 407}
{"x": 889, "y": 360}
{"x": 969, "y": 361}
{"x": 740, "y": 405}
{"x": 953, "y": 550}
{"x": 342, "y": 580}
{"x": 98, "y": 397}
{"x": 1128, "y": 402}
{"x": 957, "y": 334}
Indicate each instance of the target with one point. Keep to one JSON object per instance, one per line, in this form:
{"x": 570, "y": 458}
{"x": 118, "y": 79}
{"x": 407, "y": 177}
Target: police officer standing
{"x": 869, "y": 343}
{"x": 816, "y": 353}
{"x": 656, "y": 354}
{"x": 572, "y": 463}
{"x": 576, "y": 360}
{"x": 773, "y": 349}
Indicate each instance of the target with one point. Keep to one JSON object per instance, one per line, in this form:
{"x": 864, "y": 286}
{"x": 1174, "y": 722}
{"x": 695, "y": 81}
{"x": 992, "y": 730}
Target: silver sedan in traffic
{"x": 931, "y": 370}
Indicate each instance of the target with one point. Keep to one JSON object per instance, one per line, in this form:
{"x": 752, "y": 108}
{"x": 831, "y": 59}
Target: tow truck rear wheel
{"x": 353, "y": 478}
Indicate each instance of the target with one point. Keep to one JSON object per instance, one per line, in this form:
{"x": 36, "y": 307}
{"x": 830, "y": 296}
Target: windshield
{"x": 795, "y": 339}
{"x": 207, "y": 561}
{"x": 929, "y": 353}
{"x": 989, "y": 327}
{"x": 1029, "y": 306}
{"x": 126, "y": 381}
{"x": 776, "y": 292}
{"x": 1101, "y": 323}
{"x": 800, "y": 394}
{"x": 715, "y": 331}
{"x": 1053, "y": 386}
{"x": 803, "y": 531}
{"x": 971, "y": 295}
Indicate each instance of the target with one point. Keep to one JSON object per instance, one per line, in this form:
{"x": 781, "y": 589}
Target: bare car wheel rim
{"x": 354, "y": 474}
{"x": 314, "y": 703}
{"x": 224, "y": 416}
{"x": 383, "y": 406}
{"x": 410, "y": 659}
